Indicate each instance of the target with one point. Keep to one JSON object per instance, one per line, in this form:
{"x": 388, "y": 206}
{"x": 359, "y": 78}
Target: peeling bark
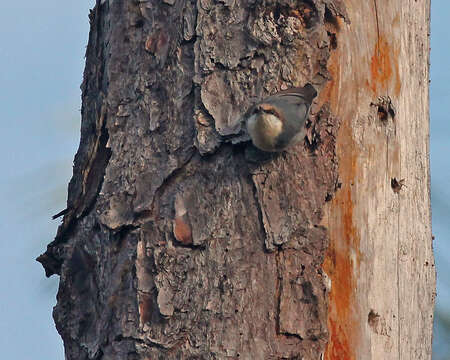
{"x": 175, "y": 244}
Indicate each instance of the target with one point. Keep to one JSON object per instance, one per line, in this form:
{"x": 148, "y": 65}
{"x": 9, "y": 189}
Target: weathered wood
{"x": 380, "y": 260}
{"x": 177, "y": 244}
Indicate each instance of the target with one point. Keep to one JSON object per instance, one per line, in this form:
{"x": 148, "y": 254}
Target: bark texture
{"x": 178, "y": 244}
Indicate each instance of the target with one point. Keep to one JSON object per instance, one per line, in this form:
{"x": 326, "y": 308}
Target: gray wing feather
{"x": 297, "y": 95}
{"x": 296, "y": 108}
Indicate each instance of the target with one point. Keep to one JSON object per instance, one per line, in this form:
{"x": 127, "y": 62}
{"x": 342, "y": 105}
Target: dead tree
{"x": 177, "y": 244}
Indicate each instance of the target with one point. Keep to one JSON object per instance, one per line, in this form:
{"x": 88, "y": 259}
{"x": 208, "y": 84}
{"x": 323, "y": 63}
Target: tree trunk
{"x": 177, "y": 243}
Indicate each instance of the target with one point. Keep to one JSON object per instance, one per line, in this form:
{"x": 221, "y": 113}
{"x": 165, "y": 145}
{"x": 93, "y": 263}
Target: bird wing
{"x": 296, "y": 95}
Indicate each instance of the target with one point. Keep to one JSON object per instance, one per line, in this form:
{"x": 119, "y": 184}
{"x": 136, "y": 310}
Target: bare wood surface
{"x": 380, "y": 260}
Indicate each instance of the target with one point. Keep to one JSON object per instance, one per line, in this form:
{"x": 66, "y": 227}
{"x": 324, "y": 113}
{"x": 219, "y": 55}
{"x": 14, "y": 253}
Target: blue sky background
{"x": 42, "y": 45}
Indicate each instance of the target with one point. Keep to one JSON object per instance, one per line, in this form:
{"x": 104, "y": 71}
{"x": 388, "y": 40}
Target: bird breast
{"x": 264, "y": 130}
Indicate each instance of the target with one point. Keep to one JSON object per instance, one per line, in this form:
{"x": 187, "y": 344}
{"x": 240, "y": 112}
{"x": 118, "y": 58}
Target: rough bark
{"x": 176, "y": 243}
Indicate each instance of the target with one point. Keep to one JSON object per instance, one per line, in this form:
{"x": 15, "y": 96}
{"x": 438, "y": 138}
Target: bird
{"x": 278, "y": 121}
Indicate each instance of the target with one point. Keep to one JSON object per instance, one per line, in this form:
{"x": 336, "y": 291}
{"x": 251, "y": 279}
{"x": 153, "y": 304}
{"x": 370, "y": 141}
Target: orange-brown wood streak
{"x": 338, "y": 264}
{"x": 344, "y": 240}
{"x": 384, "y": 67}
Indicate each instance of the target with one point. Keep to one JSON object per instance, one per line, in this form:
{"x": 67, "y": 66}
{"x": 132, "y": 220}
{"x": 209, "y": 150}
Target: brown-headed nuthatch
{"x": 278, "y": 121}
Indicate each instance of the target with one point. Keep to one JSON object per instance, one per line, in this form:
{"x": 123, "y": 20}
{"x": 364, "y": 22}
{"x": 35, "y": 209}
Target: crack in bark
{"x": 147, "y": 342}
{"x": 378, "y": 25}
{"x": 278, "y": 293}
{"x": 259, "y": 209}
{"x": 168, "y": 180}
{"x": 94, "y": 172}
{"x": 149, "y": 214}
